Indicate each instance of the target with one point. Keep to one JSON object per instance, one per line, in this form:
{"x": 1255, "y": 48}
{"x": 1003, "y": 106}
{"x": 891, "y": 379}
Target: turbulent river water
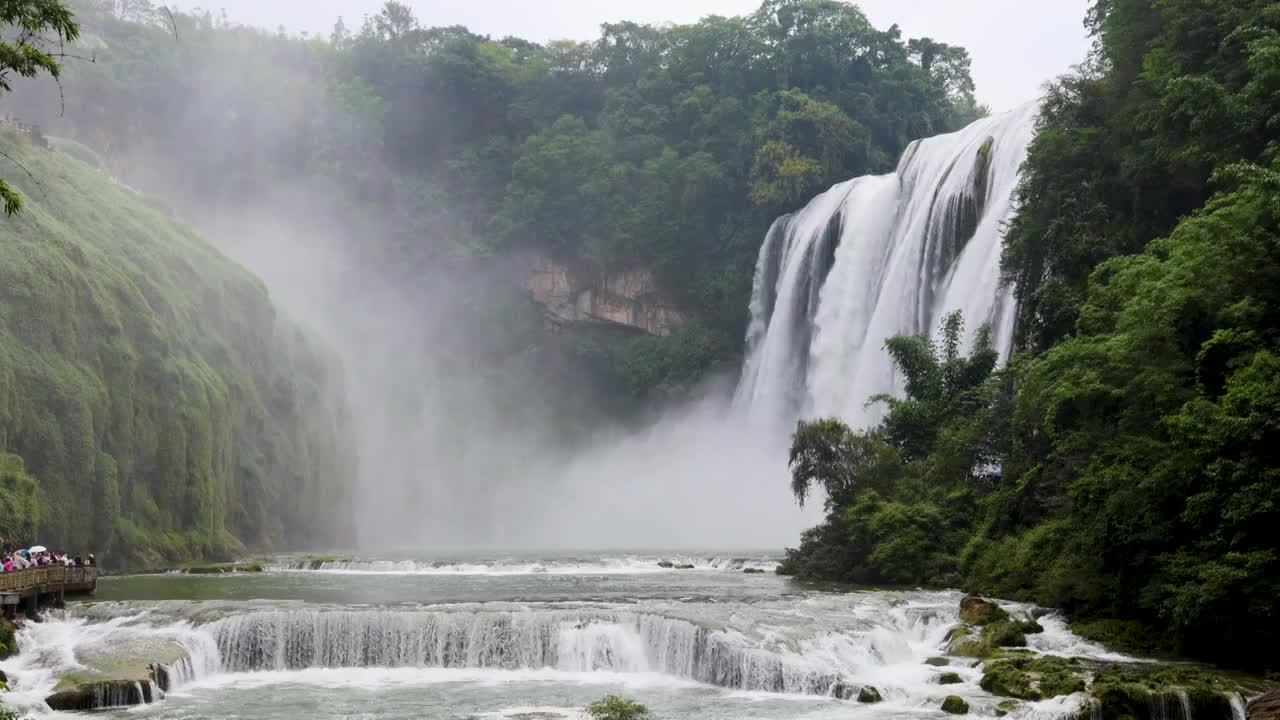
{"x": 514, "y": 636}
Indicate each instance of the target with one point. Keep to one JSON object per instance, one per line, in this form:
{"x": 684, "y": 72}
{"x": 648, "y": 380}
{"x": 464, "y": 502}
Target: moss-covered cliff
{"x": 148, "y": 385}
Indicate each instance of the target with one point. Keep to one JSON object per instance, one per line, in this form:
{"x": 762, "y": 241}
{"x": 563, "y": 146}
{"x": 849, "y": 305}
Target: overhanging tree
{"x": 33, "y": 38}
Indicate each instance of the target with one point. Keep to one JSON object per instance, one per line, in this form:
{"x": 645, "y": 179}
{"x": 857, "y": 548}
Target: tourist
{"x": 8, "y": 564}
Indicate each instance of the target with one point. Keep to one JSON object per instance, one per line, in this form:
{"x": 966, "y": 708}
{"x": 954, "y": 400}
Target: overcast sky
{"x": 1016, "y": 44}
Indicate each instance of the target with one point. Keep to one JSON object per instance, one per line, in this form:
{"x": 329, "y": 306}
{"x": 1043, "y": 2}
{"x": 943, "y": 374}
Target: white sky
{"x": 1016, "y": 44}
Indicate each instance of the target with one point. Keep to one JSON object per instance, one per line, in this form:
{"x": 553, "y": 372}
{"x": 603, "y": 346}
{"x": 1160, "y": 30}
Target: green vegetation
{"x": 19, "y": 504}
{"x": 1033, "y": 677}
{"x": 1126, "y": 694}
{"x": 1130, "y": 636}
{"x": 615, "y": 707}
{"x": 34, "y": 34}
{"x": 991, "y": 638}
{"x": 8, "y": 643}
{"x": 665, "y": 148}
{"x": 1124, "y": 465}
{"x": 153, "y": 408}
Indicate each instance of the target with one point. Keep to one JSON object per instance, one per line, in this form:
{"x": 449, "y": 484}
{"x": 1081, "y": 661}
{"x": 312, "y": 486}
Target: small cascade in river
{"x": 880, "y": 256}
{"x": 570, "y": 641}
{"x": 623, "y": 564}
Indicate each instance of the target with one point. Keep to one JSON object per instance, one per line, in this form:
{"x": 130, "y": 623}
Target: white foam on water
{"x": 380, "y": 678}
{"x": 1057, "y": 639}
{"x": 64, "y": 644}
{"x": 627, "y": 565}
{"x": 809, "y": 647}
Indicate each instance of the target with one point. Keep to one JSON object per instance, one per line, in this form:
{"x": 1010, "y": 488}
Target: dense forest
{"x": 667, "y": 149}
{"x": 153, "y": 407}
{"x": 1124, "y": 464}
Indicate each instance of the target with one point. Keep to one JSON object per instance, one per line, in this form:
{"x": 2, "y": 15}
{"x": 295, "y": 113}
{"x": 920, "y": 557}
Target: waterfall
{"x": 571, "y": 641}
{"x": 1238, "y": 711}
{"x": 880, "y": 256}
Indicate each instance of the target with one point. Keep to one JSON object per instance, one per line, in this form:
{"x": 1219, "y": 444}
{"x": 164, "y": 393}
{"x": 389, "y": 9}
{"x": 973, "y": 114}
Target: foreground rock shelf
{"x": 997, "y": 640}
{"x": 103, "y": 694}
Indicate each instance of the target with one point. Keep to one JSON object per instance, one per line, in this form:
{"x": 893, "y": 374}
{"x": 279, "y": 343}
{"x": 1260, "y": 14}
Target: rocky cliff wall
{"x": 629, "y": 298}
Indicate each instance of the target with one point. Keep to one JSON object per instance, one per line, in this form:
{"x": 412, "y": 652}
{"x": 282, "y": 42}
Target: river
{"x": 537, "y": 635}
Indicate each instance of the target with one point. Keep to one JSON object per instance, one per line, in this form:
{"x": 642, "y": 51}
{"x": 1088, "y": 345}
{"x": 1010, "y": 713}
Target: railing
{"x": 48, "y": 579}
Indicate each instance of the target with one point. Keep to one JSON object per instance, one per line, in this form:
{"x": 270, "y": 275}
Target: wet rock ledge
{"x": 103, "y": 694}
{"x": 1265, "y": 706}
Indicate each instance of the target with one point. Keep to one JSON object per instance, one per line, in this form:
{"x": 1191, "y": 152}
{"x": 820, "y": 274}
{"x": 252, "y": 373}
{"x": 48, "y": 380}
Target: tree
{"x": 34, "y": 40}
{"x": 898, "y": 496}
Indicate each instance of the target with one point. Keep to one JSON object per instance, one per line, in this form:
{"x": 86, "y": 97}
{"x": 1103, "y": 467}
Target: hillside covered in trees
{"x": 1124, "y": 464}
{"x": 664, "y": 150}
{"x": 153, "y": 405}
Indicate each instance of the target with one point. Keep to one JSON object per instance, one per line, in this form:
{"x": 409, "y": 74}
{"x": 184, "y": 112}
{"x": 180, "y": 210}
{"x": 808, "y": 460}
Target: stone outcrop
{"x": 627, "y": 298}
{"x": 977, "y": 611}
{"x": 1264, "y": 707}
{"x": 102, "y": 694}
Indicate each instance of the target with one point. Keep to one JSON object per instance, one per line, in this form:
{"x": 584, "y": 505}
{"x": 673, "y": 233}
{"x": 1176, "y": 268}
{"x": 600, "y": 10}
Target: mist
{"x": 444, "y": 468}
{"x": 472, "y": 428}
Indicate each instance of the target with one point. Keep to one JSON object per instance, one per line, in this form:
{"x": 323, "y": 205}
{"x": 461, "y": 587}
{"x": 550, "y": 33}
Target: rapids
{"x": 700, "y": 643}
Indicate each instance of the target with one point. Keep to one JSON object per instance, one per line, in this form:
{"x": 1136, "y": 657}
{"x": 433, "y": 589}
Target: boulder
{"x": 1004, "y": 707}
{"x": 937, "y": 662}
{"x": 1030, "y": 677}
{"x": 4, "y": 679}
{"x": 977, "y": 611}
{"x": 955, "y": 705}
{"x": 684, "y": 567}
{"x": 1124, "y": 692}
{"x": 869, "y": 694}
{"x": 1005, "y": 634}
{"x": 1264, "y": 707}
{"x": 753, "y": 571}
{"x": 949, "y": 678}
{"x": 666, "y": 564}
{"x": 101, "y": 694}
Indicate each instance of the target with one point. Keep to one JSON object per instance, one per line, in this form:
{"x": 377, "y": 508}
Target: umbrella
{"x": 38, "y": 548}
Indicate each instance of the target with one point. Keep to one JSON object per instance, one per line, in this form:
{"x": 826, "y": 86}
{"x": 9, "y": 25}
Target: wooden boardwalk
{"x": 36, "y": 586}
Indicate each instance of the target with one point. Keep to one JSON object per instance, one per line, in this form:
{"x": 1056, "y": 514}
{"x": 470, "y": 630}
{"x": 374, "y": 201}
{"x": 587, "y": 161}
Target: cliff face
{"x": 153, "y": 405}
{"x": 630, "y": 298}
